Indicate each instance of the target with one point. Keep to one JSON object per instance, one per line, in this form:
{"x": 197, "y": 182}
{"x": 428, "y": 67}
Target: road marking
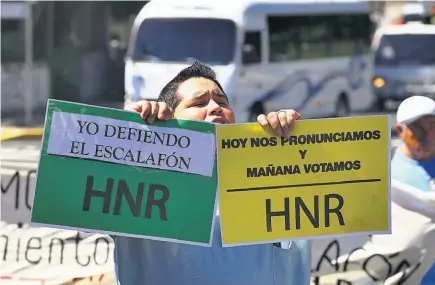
{"x": 8, "y": 133}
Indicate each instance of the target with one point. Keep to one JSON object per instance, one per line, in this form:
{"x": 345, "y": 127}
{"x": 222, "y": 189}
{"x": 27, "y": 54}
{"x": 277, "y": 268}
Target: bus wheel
{"x": 256, "y": 110}
{"x": 342, "y": 107}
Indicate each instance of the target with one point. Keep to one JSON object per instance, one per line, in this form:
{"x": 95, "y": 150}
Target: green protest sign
{"x": 105, "y": 170}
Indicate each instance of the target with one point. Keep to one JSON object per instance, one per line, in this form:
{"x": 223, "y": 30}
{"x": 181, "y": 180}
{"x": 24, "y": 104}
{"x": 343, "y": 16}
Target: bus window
{"x": 405, "y": 48}
{"x": 252, "y": 48}
{"x": 350, "y": 33}
{"x": 210, "y": 41}
{"x": 314, "y": 36}
{"x": 283, "y": 38}
{"x": 323, "y": 36}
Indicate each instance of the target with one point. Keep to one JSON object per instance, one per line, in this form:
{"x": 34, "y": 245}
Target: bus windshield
{"x": 211, "y": 41}
{"x": 406, "y": 48}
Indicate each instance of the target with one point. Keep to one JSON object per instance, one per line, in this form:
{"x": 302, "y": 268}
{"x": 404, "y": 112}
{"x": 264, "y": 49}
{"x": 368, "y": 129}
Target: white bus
{"x": 312, "y": 56}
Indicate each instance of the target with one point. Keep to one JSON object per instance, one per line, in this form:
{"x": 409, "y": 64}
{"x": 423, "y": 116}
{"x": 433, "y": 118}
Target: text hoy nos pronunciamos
{"x": 303, "y": 139}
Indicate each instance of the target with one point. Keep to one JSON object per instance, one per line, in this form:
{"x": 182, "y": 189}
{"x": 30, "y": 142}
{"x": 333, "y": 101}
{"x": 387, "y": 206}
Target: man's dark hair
{"x": 169, "y": 92}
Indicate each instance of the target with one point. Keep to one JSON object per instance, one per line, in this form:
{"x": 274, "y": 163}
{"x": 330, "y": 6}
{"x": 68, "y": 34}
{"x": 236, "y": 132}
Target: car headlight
{"x": 378, "y": 82}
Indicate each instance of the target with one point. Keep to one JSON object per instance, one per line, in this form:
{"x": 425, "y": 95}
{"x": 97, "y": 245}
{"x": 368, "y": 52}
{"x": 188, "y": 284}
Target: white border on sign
{"x": 389, "y": 174}
{"x": 218, "y": 209}
{"x": 215, "y": 212}
{"x": 307, "y": 238}
{"x": 121, "y": 234}
{"x": 389, "y": 231}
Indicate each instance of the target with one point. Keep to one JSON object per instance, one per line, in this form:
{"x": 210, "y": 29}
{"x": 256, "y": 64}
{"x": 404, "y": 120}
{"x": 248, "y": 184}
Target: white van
{"x": 308, "y": 55}
{"x": 404, "y": 62}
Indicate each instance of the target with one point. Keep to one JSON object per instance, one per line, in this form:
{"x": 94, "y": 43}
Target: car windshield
{"x": 211, "y": 41}
{"x": 406, "y": 48}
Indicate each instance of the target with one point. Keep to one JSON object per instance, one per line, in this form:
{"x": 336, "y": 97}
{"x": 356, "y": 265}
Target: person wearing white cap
{"x": 414, "y": 160}
{"x": 414, "y": 164}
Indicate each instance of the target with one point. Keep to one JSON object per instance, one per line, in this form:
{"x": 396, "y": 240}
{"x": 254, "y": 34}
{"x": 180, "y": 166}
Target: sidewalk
{"x": 13, "y": 126}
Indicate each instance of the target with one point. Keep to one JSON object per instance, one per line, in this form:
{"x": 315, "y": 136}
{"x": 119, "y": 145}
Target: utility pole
{"x": 28, "y": 70}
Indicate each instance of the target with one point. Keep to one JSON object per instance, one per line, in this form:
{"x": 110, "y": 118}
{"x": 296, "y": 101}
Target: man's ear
{"x": 402, "y": 133}
{"x": 399, "y": 129}
{"x": 407, "y": 136}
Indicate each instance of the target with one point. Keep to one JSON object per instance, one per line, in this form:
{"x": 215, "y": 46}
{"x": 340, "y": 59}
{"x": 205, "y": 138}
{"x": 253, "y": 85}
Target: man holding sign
{"x": 195, "y": 94}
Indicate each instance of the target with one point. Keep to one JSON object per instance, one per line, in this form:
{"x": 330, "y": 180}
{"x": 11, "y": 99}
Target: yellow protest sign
{"x": 331, "y": 177}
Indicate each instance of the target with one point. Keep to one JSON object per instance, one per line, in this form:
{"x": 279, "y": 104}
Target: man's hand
{"x": 150, "y": 110}
{"x": 281, "y": 122}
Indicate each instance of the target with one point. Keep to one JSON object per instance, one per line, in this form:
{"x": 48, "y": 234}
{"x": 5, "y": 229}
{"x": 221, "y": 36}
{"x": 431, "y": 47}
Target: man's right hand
{"x": 150, "y": 110}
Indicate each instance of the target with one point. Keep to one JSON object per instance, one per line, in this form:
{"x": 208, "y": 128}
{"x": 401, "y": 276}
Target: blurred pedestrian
{"x": 195, "y": 94}
{"x": 414, "y": 160}
{"x": 414, "y": 164}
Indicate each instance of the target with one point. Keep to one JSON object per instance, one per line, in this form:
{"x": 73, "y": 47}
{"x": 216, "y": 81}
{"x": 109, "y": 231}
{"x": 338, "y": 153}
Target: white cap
{"x": 414, "y": 108}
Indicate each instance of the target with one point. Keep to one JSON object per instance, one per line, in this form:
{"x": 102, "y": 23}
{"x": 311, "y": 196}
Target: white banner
{"x": 17, "y": 192}
{"x": 33, "y": 255}
{"x": 404, "y": 257}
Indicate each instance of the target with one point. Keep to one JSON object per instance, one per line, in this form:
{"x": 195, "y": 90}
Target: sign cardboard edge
{"x": 344, "y": 235}
{"x": 389, "y": 172}
{"x": 318, "y": 119}
{"x": 110, "y": 233}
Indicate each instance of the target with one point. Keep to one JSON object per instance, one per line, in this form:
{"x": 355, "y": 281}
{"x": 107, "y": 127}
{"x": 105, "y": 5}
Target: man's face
{"x": 423, "y": 130}
{"x": 202, "y": 100}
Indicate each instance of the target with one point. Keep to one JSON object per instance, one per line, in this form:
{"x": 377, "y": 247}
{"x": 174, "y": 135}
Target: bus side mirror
{"x": 250, "y": 54}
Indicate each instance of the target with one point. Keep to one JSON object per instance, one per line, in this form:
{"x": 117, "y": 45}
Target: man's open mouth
{"x": 219, "y": 120}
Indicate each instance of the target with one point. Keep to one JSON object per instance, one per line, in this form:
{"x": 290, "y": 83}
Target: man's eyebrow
{"x": 216, "y": 93}
{"x": 220, "y": 94}
{"x": 198, "y": 95}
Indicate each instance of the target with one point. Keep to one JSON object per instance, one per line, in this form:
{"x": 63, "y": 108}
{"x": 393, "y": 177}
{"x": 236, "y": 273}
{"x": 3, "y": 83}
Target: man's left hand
{"x": 281, "y": 122}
